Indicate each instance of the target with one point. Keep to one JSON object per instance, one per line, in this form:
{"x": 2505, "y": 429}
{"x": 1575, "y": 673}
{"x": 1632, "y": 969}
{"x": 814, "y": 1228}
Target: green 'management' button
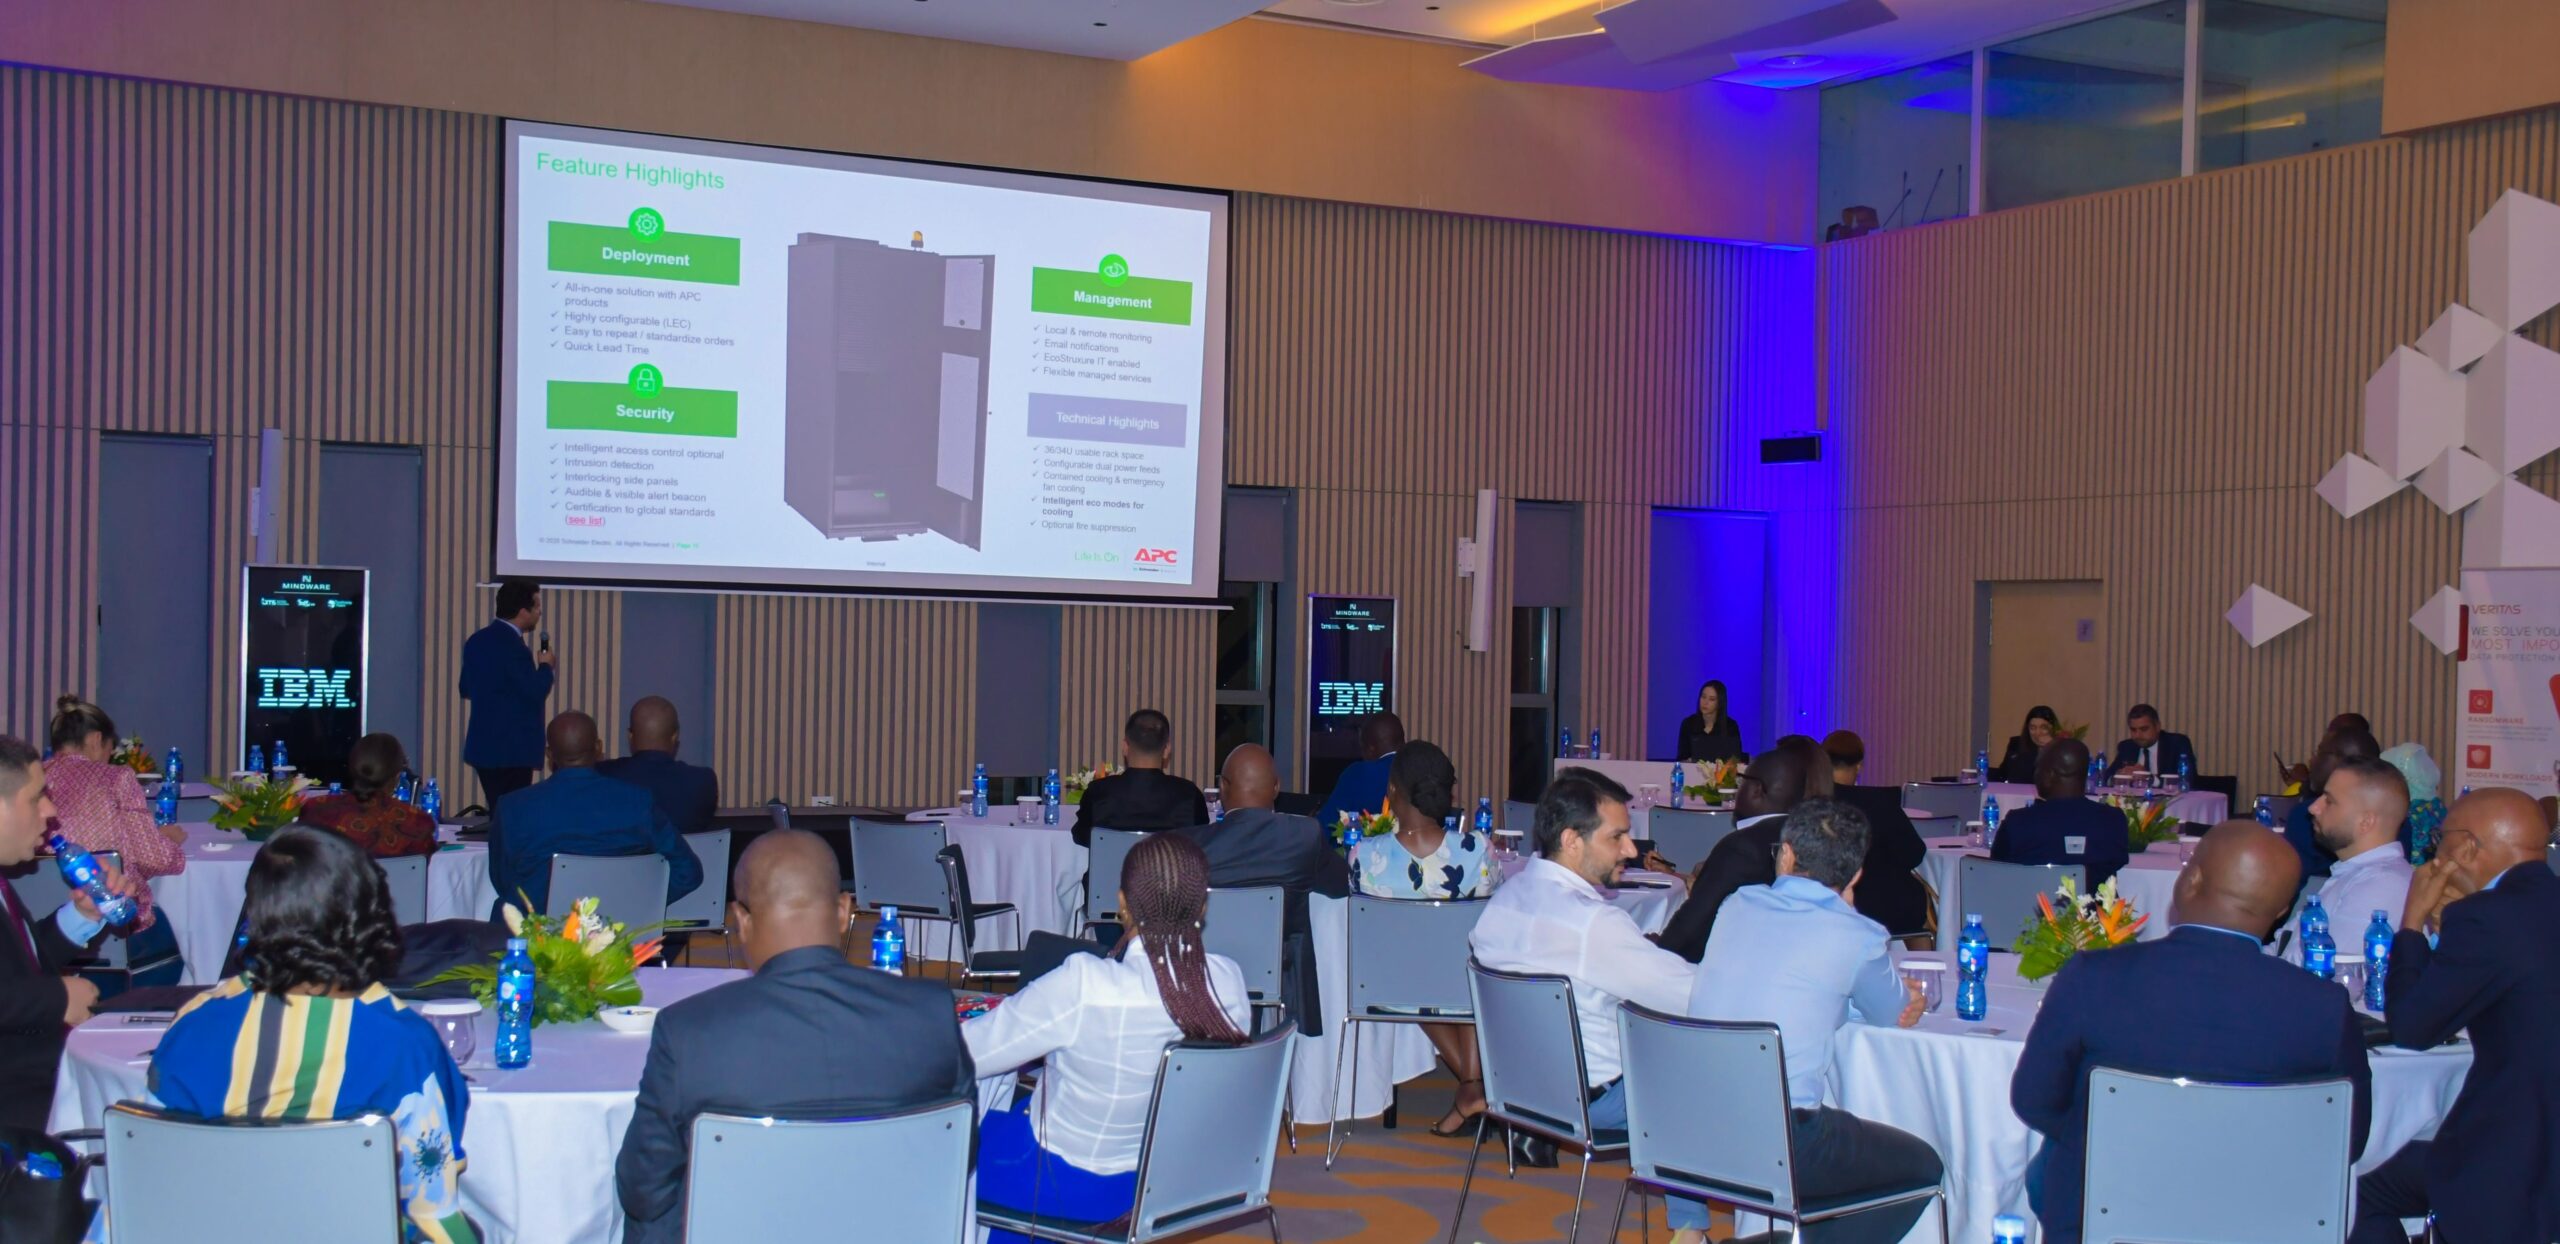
{"x": 1063, "y": 291}
{"x": 614, "y": 250}
{"x": 590, "y": 406}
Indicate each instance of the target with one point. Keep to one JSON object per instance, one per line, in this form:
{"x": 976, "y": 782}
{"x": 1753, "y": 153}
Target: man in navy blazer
{"x": 2203, "y": 1002}
{"x": 2495, "y": 909}
{"x": 506, "y": 684}
{"x": 688, "y": 794}
{"x": 579, "y": 811}
{"x": 2063, "y": 825}
{"x": 1256, "y": 846}
{"x": 2150, "y": 748}
{"x": 1363, "y": 786}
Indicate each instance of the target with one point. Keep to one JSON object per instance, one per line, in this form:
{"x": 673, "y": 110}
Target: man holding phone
{"x": 507, "y": 684}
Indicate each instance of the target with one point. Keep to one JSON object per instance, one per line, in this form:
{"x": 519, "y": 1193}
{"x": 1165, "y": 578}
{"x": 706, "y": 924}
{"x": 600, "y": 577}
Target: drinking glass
{"x": 2186, "y": 849}
{"x": 2350, "y": 969}
{"x": 1973, "y": 835}
{"x": 1931, "y": 976}
{"x": 1650, "y": 794}
{"x": 456, "y": 1021}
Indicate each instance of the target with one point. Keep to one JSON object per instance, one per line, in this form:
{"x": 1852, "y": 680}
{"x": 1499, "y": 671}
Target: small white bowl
{"x": 630, "y": 1019}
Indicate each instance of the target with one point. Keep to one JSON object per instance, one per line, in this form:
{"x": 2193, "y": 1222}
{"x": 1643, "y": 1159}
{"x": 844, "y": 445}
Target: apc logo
{"x": 1165, "y": 557}
{"x": 2484, "y": 702}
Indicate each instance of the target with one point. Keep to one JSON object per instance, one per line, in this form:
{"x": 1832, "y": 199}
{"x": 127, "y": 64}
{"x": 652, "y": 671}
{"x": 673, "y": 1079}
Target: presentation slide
{"x": 763, "y": 368}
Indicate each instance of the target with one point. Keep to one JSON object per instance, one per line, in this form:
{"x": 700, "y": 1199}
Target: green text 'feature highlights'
{"x": 1064, "y": 291}
{"x": 641, "y": 402}
{"x": 643, "y": 246}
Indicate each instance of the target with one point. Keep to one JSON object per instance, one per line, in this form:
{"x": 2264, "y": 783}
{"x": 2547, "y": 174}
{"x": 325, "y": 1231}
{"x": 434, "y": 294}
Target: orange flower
{"x": 2047, "y": 904}
{"x": 644, "y": 952}
{"x": 569, "y": 926}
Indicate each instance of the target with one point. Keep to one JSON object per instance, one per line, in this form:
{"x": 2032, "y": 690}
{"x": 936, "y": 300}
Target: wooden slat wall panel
{"x": 1116, "y": 661}
{"x": 48, "y": 565}
{"x": 868, "y": 700}
{"x": 1617, "y": 543}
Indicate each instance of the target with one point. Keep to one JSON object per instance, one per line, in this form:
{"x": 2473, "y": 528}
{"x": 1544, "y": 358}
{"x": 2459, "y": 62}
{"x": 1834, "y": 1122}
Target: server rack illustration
{"x": 884, "y": 407}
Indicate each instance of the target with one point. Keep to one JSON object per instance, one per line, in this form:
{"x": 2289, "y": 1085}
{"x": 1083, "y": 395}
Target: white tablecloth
{"x": 1949, "y": 1086}
{"x": 2201, "y": 807}
{"x": 1036, "y": 867}
{"x": 202, "y": 904}
{"x": 541, "y": 1141}
{"x": 2146, "y": 881}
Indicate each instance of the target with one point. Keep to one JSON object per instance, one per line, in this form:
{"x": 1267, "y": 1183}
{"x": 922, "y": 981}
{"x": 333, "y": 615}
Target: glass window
{"x": 2091, "y": 107}
{"x": 2282, "y": 79}
{"x": 1244, "y": 665}
{"x": 1534, "y": 633}
{"x": 1894, "y": 147}
{"x": 1532, "y": 651}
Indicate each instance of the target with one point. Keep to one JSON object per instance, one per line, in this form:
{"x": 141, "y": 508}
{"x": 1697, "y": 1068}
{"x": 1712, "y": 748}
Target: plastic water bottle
{"x": 2377, "y": 958}
{"x": 80, "y": 869}
{"x": 257, "y": 759}
{"x": 2009, "y": 1229}
{"x": 1990, "y": 820}
{"x": 406, "y": 791}
{"x": 1595, "y": 742}
{"x": 2266, "y": 812}
{"x": 164, "y": 808}
{"x": 2314, "y": 916}
{"x": 515, "y": 1006}
{"x": 174, "y": 769}
{"x": 978, "y": 793}
{"x": 281, "y": 762}
{"x": 1679, "y": 786}
{"x": 1982, "y": 767}
{"x": 2097, "y": 773}
{"x": 2186, "y": 773}
{"x": 432, "y": 803}
{"x": 2319, "y": 950}
{"x": 1484, "y": 815}
{"x": 1564, "y": 743}
{"x": 1049, "y": 798}
{"x": 889, "y": 943}
{"x": 1973, "y": 970}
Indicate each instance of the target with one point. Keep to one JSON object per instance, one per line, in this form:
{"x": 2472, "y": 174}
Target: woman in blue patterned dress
{"x": 1433, "y": 854}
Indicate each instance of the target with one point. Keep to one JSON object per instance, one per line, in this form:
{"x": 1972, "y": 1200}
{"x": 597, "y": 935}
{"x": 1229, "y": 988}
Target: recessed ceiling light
{"x": 1792, "y": 60}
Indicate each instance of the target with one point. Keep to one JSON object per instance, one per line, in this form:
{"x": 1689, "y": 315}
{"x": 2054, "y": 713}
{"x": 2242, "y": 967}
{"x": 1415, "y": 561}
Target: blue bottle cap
{"x": 515, "y": 944}
{"x": 888, "y": 913}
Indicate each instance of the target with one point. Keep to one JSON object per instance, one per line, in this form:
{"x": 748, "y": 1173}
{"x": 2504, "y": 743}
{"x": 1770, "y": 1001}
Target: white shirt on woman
{"x": 1103, "y": 1027}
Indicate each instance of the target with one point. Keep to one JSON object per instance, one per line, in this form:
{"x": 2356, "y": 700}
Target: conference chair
{"x": 2279, "y": 805}
{"x": 2004, "y": 894}
{"x": 1207, "y": 1158}
{"x": 899, "y": 865}
{"x": 974, "y": 964}
{"x": 1533, "y": 1075}
{"x": 1110, "y": 849}
{"x": 706, "y": 910}
{"x": 407, "y": 875}
{"x": 2257, "y": 1163}
{"x": 172, "y": 1176}
{"x": 1517, "y": 815}
{"x": 1707, "y": 1119}
{"x": 1961, "y": 800}
{"x": 41, "y": 889}
{"x": 757, "y": 1180}
{"x": 1244, "y": 924}
{"x": 1415, "y": 973}
{"x": 1685, "y": 835}
{"x": 631, "y": 889}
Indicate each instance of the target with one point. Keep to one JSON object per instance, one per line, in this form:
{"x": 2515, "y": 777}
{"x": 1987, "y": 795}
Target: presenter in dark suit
{"x": 1141, "y": 795}
{"x": 2495, "y": 908}
{"x": 2148, "y": 747}
{"x": 40, "y": 999}
{"x": 688, "y": 794}
{"x": 1363, "y": 786}
{"x": 506, "y": 684}
{"x": 1252, "y": 845}
{"x": 1710, "y": 733}
{"x": 2064, "y": 825}
{"x": 1888, "y": 891}
{"x": 809, "y": 1036}
{"x": 578, "y": 811}
{"x": 2202, "y": 1002}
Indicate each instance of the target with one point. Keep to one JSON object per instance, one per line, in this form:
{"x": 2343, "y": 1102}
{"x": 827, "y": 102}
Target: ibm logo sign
{"x": 301, "y": 688}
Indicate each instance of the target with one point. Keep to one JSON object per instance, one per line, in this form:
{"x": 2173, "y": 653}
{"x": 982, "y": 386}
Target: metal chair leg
{"x": 1941, "y": 1199}
{"x": 1351, "y": 1045}
{"x": 1459, "y": 1216}
{"x": 1271, "y": 1218}
{"x": 1574, "y": 1232}
{"x": 1618, "y": 1218}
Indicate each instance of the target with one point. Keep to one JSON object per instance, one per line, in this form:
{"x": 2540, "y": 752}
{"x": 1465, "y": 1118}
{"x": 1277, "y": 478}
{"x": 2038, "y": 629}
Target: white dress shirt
{"x": 1103, "y": 1028}
{"x": 1796, "y": 954}
{"x": 2358, "y": 885}
{"x": 1548, "y": 920}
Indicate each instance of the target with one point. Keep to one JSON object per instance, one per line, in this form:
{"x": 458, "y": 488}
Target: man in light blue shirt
{"x": 1796, "y": 953}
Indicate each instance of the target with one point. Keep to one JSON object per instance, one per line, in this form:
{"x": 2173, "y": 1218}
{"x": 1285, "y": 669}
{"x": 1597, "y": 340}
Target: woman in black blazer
{"x": 1709, "y": 734}
{"x": 2018, "y": 764}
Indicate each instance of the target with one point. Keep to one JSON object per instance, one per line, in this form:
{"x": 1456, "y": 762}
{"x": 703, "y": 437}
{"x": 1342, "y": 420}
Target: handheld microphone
{"x": 546, "y": 641}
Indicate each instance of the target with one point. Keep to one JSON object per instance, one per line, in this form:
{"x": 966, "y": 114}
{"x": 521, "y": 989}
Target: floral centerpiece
{"x": 256, "y": 808}
{"x": 135, "y": 754}
{"x": 1072, "y": 786}
{"x": 1358, "y": 827}
{"x": 2147, "y": 821}
{"x": 582, "y": 963}
{"x": 2076, "y": 730}
{"x": 1717, "y": 781}
{"x": 2100, "y": 921}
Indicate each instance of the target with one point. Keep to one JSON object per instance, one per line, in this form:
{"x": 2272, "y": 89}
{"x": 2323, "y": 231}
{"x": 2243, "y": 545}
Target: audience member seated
{"x": 1710, "y": 734}
{"x": 1793, "y": 770}
{"x": 1141, "y": 795}
{"x": 688, "y": 794}
{"x": 2474, "y": 954}
{"x": 1103, "y": 1025}
{"x": 1424, "y": 859}
{"x": 1252, "y": 845}
{"x": 2018, "y": 763}
{"x": 1797, "y": 954}
{"x": 2203, "y": 1002}
{"x": 40, "y": 1000}
{"x": 1552, "y": 920}
{"x": 99, "y": 804}
{"x": 1889, "y": 893}
{"x": 2064, "y": 825}
{"x": 2426, "y": 804}
{"x": 776, "y": 1043}
{"x": 2149, "y": 749}
{"x": 2337, "y": 749}
{"x": 578, "y": 811}
{"x": 321, "y": 938}
{"x": 2298, "y": 774}
{"x": 1363, "y": 784}
{"x": 2357, "y": 820}
{"x": 369, "y": 814}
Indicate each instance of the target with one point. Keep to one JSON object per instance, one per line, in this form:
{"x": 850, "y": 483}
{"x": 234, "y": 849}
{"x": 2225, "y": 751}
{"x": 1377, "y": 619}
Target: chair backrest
{"x": 1962, "y": 802}
{"x": 213, "y": 1181}
{"x": 1517, "y": 815}
{"x": 408, "y": 877}
{"x": 1685, "y": 835}
{"x": 1244, "y": 924}
{"x": 956, "y": 896}
{"x": 1405, "y": 955}
{"x": 1707, "y": 1106}
{"x": 2257, "y": 1163}
{"x": 708, "y": 906}
{"x": 2281, "y": 806}
{"x": 906, "y": 1175}
{"x": 2004, "y": 894}
{"x": 629, "y": 888}
{"x": 1532, "y": 1045}
{"x": 1211, "y": 1133}
{"x": 1109, "y": 851}
{"x": 893, "y": 865}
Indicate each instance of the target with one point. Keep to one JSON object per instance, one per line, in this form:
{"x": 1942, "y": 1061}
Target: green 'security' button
{"x": 619, "y": 250}
{"x": 612, "y": 406}
{"x": 1064, "y": 291}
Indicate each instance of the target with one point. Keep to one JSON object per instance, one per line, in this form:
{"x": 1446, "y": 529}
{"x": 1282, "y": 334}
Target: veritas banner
{"x": 2510, "y": 660}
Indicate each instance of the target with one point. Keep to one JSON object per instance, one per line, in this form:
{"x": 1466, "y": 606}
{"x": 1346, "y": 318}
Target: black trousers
{"x": 1839, "y": 1155}
{"x": 2395, "y": 1190}
{"x": 496, "y": 784}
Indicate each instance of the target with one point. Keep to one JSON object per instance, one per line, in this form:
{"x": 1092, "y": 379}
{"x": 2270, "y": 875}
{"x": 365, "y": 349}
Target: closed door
{"x": 2043, "y": 644}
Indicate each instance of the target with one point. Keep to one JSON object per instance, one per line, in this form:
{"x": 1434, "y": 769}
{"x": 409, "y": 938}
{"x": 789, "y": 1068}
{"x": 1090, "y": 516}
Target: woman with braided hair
{"x": 1103, "y": 1025}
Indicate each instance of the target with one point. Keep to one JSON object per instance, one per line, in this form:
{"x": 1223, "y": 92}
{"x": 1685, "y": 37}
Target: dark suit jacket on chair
{"x": 1259, "y": 847}
{"x": 2493, "y": 972}
{"x": 1888, "y": 892}
{"x": 808, "y": 1036}
{"x": 2040, "y": 833}
{"x": 2200, "y": 1002}
{"x": 1747, "y": 856}
{"x": 32, "y": 1000}
{"x": 581, "y": 812}
{"x": 506, "y": 690}
{"x": 1139, "y": 799}
{"x": 688, "y": 794}
{"x": 2172, "y": 747}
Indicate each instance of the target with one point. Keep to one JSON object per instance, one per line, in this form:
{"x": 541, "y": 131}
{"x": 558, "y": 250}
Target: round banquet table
{"x": 202, "y": 904}
{"x": 1947, "y": 1082}
{"x": 2196, "y": 807}
{"x": 540, "y": 1140}
{"x": 1036, "y": 867}
{"x": 2145, "y": 881}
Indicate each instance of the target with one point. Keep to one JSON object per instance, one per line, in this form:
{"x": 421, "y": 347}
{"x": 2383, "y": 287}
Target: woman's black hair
{"x": 2044, "y": 712}
{"x": 318, "y": 913}
{"x": 374, "y": 765}
{"x": 1724, "y": 703}
{"x": 1429, "y": 782}
{"x": 75, "y": 719}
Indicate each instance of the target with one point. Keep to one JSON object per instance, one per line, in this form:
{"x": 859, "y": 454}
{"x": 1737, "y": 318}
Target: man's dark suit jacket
{"x": 2172, "y": 746}
{"x": 2200, "y": 1002}
{"x": 32, "y": 1000}
{"x": 1747, "y": 856}
{"x": 506, "y": 690}
{"x": 581, "y": 812}
{"x": 2493, "y": 971}
{"x": 2035, "y": 834}
{"x": 1257, "y": 847}
{"x": 808, "y": 1036}
{"x": 688, "y": 794}
{"x": 1888, "y": 892}
{"x": 1139, "y": 799}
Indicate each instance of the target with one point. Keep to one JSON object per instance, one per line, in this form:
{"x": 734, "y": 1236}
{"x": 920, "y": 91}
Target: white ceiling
{"x": 1110, "y": 29}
